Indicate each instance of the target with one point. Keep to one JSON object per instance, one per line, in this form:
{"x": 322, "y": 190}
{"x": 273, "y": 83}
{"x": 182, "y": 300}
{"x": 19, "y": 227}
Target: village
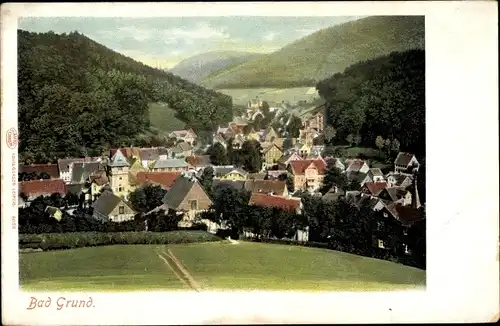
{"x": 289, "y": 168}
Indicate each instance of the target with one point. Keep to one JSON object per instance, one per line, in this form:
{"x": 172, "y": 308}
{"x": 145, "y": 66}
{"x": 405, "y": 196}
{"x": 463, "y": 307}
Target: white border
{"x": 462, "y": 179}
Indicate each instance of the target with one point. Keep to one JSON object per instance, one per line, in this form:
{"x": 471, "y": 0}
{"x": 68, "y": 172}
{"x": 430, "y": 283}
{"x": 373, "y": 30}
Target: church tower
{"x": 118, "y": 168}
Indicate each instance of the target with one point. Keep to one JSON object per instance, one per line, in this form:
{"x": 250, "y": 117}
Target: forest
{"x": 76, "y": 97}
{"x": 380, "y": 97}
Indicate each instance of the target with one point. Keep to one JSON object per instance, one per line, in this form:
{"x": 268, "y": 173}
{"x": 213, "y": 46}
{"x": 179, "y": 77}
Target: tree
{"x": 379, "y": 142}
{"x": 251, "y": 153}
{"x": 283, "y": 177}
{"x": 387, "y": 146}
{"x": 395, "y": 146}
{"x": 207, "y": 179}
{"x": 329, "y": 133}
{"x": 357, "y": 139}
{"x": 293, "y": 127}
{"x": 290, "y": 184}
{"x": 217, "y": 154}
{"x": 334, "y": 176}
{"x": 147, "y": 198}
{"x": 350, "y": 139}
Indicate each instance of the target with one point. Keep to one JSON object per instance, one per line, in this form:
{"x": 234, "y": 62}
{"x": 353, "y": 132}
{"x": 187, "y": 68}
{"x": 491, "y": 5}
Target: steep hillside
{"x": 200, "y": 66}
{"x": 77, "y": 97}
{"x": 324, "y": 53}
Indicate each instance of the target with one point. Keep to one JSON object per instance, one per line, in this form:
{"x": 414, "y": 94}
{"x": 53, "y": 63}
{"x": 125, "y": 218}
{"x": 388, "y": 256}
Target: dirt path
{"x": 178, "y": 269}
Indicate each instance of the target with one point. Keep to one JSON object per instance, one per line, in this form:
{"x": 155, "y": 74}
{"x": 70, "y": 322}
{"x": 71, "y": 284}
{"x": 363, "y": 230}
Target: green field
{"x": 211, "y": 266}
{"x": 241, "y": 96}
{"x": 163, "y": 118}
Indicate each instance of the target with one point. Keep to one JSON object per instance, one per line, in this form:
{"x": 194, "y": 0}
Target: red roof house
{"x": 300, "y": 167}
{"x": 264, "y": 200}
{"x": 165, "y": 179}
{"x": 47, "y": 187}
{"x": 51, "y": 169}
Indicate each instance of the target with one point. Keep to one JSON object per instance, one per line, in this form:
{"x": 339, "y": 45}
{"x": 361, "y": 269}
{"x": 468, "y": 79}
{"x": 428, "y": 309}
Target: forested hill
{"x": 380, "y": 97}
{"x": 77, "y": 97}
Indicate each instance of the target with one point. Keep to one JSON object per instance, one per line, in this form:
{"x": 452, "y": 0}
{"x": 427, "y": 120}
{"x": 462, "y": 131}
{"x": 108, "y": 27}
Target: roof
{"x": 165, "y": 179}
{"x": 299, "y": 167}
{"x": 128, "y": 152}
{"x": 407, "y": 215}
{"x": 42, "y": 187}
{"x": 257, "y": 176}
{"x": 376, "y": 172}
{"x": 199, "y": 160}
{"x": 279, "y": 142}
{"x": 106, "y": 203}
{"x": 403, "y": 158}
{"x": 51, "y": 169}
{"x": 179, "y": 190}
{"x": 333, "y": 195}
{"x": 238, "y": 184}
{"x": 264, "y": 200}
{"x": 266, "y": 186}
{"x": 82, "y": 171}
{"x": 375, "y": 188}
{"x": 170, "y": 163}
{"x": 162, "y": 151}
{"x": 99, "y": 177}
{"x": 118, "y": 160}
{"x": 64, "y": 163}
{"x": 74, "y": 188}
{"x": 276, "y": 173}
{"x": 149, "y": 154}
{"x": 400, "y": 178}
{"x": 294, "y": 156}
{"x": 355, "y": 165}
{"x": 185, "y": 146}
{"x": 220, "y": 171}
{"x": 395, "y": 193}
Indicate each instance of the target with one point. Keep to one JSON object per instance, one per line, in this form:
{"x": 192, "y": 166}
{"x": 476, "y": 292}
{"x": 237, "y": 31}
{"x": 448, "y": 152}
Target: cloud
{"x": 135, "y": 33}
{"x": 271, "y": 36}
{"x": 202, "y": 31}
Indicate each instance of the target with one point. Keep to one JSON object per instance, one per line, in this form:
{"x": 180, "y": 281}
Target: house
{"x": 373, "y": 188}
{"x": 334, "y": 194}
{"x": 229, "y": 173}
{"x": 254, "y": 104}
{"x": 20, "y": 202}
{"x": 375, "y": 175}
{"x": 253, "y": 135}
{"x": 148, "y": 156}
{"x": 187, "y": 197}
{"x": 164, "y": 179}
{"x": 357, "y": 177}
{"x": 270, "y": 135}
{"x": 284, "y": 161}
{"x": 97, "y": 181}
{"x": 272, "y": 187}
{"x": 163, "y": 153}
{"x": 317, "y": 149}
{"x": 118, "y": 175}
{"x": 399, "y": 179}
{"x": 275, "y": 174}
{"x": 198, "y": 162}
{"x": 280, "y": 142}
{"x": 393, "y": 194}
{"x": 136, "y": 165}
{"x": 284, "y": 203}
{"x": 271, "y": 153}
{"x": 54, "y": 212}
{"x": 404, "y": 161}
{"x": 218, "y": 138}
{"x": 237, "y": 184}
{"x": 316, "y": 122}
{"x": 170, "y": 165}
{"x": 82, "y": 171}
{"x": 65, "y": 166}
{"x": 335, "y": 162}
{"x": 188, "y": 136}
{"x": 257, "y": 176}
{"x": 44, "y": 187}
{"x": 305, "y": 148}
{"x": 110, "y": 207}
{"x": 51, "y": 170}
{"x": 238, "y": 141}
{"x": 357, "y": 165}
{"x": 183, "y": 149}
{"x": 307, "y": 174}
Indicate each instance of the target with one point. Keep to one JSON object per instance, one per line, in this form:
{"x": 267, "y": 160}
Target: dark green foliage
{"x": 380, "y": 97}
{"x": 77, "y": 97}
{"x": 147, "y": 198}
{"x": 218, "y": 154}
{"x": 293, "y": 127}
{"x": 207, "y": 180}
{"x": 334, "y": 176}
{"x": 55, "y": 241}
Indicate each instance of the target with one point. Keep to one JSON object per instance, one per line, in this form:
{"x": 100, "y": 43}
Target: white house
{"x": 404, "y": 161}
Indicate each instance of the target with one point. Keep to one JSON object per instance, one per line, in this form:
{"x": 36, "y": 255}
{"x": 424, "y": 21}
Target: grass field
{"x": 211, "y": 266}
{"x": 292, "y": 95}
{"x": 163, "y": 118}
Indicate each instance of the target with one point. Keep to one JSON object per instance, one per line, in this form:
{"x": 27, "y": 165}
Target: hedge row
{"x": 54, "y": 241}
{"x": 291, "y": 242}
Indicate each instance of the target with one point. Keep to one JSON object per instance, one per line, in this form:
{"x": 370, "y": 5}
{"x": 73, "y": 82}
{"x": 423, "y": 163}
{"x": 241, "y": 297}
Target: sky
{"x": 164, "y": 41}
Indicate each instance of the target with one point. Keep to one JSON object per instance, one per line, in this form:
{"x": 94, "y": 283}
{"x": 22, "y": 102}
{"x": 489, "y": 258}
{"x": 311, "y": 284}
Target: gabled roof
{"x": 99, "y": 178}
{"x": 256, "y": 176}
{"x": 42, "y": 187}
{"x": 74, "y": 188}
{"x": 394, "y": 193}
{"x": 275, "y": 187}
{"x": 165, "y": 179}
{"x": 185, "y": 146}
{"x": 118, "y": 160}
{"x": 149, "y": 154}
{"x": 238, "y": 184}
{"x": 107, "y": 202}
{"x": 294, "y": 156}
{"x": 222, "y": 170}
{"x": 270, "y": 201}
{"x": 376, "y": 172}
{"x": 199, "y": 160}
{"x": 179, "y": 190}
{"x": 170, "y": 163}
{"x": 355, "y": 165}
{"x": 375, "y": 188}
{"x": 403, "y": 158}
{"x": 333, "y": 194}
{"x": 82, "y": 171}
{"x": 64, "y": 163}
{"x": 51, "y": 169}
{"x": 399, "y": 177}
{"x": 299, "y": 167}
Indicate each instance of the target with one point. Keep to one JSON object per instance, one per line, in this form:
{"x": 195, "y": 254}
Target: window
{"x": 119, "y": 178}
{"x": 194, "y": 205}
{"x": 121, "y": 209}
{"x": 120, "y": 189}
{"x": 381, "y": 244}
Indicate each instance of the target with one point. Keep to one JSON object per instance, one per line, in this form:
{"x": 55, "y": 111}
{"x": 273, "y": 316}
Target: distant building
{"x": 109, "y": 207}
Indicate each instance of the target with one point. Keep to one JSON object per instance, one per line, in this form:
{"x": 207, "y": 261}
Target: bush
{"x": 55, "y": 241}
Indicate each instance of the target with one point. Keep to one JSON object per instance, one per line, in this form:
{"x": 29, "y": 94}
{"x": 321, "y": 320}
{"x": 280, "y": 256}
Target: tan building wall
{"x": 119, "y": 181}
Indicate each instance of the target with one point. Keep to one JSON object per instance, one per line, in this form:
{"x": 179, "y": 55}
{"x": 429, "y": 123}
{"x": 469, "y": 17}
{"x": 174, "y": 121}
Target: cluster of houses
{"x": 107, "y": 181}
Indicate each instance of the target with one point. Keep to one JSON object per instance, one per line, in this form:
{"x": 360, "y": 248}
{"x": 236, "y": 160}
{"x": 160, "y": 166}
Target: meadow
{"x": 163, "y": 118}
{"x": 241, "y": 96}
{"x": 211, "y": 266}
